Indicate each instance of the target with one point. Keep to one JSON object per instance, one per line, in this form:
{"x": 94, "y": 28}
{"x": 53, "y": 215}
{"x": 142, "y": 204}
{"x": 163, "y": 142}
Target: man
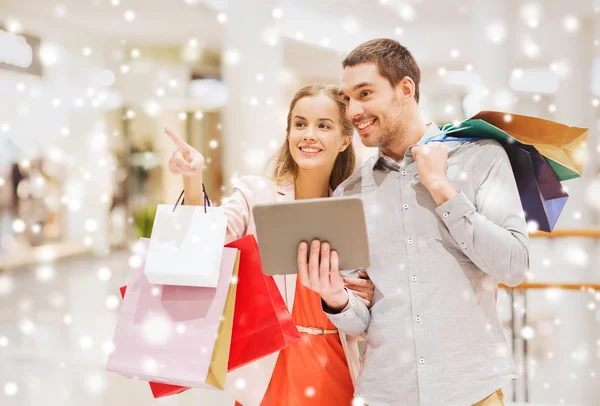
{"x": 445, "y": 224}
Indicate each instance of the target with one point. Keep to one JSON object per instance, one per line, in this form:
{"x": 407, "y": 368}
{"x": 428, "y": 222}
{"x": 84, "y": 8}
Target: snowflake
{"x": 240, "y": 384}
{"x": 149, "y": 366}
{"x": 532, "y": 226}
{"x": 129, "y": 16}
{"x": 27, "y": 327}
{"x": 553, "y": 295}
{"x": 4, "y": 341}
{"x": 156, "y": 329}
{"x": 95, "y": 383}
{"x": 232, "y": 57}
{"x": 44, "y": 273}
{"x": 310, "y": 392}
{"x": 112, "y": 302}
{"x": 577, "y": 256}
{"x": 571, "y": 23}
{"x": 527, "y": 333}
{"x": 104, "y": 273}
{"x": 592, "y": 193}
{"x": 86, "y": 342}
{"x": 496, "y": 32}
{"x": 7, "y": 285}
{"x": 18, "y": 226}
{"x": 108, "y": 347}
{"x": 135, "y": 261}
{"x": 358, "y": 401}
{"x": 10, "y": 388}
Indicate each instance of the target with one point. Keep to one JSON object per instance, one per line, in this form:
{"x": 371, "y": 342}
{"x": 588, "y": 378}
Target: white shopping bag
{"x": 186, "y": 246}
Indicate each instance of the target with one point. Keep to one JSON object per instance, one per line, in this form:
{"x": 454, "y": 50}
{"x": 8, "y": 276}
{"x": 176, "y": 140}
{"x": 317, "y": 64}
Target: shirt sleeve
{"x": 237, "y": 207}
{"x": 491, "y": 231}
{"x": 353, "y": 320}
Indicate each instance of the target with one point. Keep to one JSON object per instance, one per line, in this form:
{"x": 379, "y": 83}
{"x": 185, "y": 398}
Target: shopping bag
{"x": 542, "y": 196}
{"x": 186, "y": 246}
{"x": 561, "y": 145}
{"x": 159, "y": 390}
{"x": 262, "y": 324}
{"x": 178, "y": 335}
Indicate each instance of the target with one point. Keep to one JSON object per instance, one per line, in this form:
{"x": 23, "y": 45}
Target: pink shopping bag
{"x": 177, "y": 335}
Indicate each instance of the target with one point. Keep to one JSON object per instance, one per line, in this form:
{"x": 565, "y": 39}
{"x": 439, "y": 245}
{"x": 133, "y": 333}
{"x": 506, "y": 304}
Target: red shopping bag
{"x": 159, "y": 390}
{"x": 262, "y": 324}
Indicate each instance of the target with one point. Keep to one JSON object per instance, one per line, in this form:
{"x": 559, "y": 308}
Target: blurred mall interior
{"x": 83, "y": 157}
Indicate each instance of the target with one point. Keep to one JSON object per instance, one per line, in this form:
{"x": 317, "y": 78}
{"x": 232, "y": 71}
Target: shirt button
{"x": 446, "y": 214}
{"x": 418, "y": 319}
{"x": 410, "y": 241}
{"x": 464, "y": 246}
{"x": 404, "y": 173}
{"x": 422, "y": 360}
{"x": 406, "y": 206}
{"x": 414, "y": 278}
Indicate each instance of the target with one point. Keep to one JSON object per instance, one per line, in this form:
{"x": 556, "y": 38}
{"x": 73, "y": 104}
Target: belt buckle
{"x": 319, "y": 331}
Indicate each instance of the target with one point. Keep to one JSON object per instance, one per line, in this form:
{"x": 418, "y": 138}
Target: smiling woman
{"x": 316, "y": 156}
{"x": 318, "y": 136}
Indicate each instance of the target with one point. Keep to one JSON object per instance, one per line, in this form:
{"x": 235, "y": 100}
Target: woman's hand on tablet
{"x": 319, "y": 271}
{"x": 361, "y": 287}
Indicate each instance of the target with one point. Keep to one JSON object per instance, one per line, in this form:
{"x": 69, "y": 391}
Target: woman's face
{"x": 315, "y": 135}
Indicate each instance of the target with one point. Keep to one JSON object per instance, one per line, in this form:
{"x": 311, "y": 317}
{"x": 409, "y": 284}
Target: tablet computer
{"x": 280, "y": 227}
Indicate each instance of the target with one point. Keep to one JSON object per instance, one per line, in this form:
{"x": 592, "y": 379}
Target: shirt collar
{"x": 432, "y": 132}
{"x": 287, "y": 191}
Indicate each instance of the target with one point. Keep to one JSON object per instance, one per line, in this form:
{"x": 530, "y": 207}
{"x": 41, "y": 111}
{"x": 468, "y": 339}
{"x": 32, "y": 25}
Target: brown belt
{"x": 315, "y": 330}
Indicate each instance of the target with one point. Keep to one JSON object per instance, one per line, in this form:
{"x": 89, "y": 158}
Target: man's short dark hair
{"x": 394, "y": 61}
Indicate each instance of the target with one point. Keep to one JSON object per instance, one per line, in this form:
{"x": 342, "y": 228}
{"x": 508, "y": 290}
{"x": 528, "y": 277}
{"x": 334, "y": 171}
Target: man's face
{"x": 373, "y": 105}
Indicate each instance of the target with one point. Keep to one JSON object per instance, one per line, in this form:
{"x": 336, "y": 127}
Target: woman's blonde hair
{"x": 285, "y": 168}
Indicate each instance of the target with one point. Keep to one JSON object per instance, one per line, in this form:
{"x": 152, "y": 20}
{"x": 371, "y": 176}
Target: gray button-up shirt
{"x": 433, "y": 334}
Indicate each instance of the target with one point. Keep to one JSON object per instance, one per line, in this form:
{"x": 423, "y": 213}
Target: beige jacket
{"x": 249, "y": 384}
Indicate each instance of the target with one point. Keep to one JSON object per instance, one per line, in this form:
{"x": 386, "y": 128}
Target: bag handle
{"x": 444, "y": 137}
{"x": 206, "y": 199}
{"x": 455, "y": 139}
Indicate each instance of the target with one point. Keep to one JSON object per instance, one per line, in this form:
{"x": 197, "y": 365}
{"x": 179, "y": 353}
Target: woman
{"x": 315, "y": 158}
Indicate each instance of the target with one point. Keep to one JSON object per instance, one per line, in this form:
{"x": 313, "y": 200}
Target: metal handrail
{"x": 575, "y": 232}
{"x": 565, "y": 286}
{"x": 522, "y": 288}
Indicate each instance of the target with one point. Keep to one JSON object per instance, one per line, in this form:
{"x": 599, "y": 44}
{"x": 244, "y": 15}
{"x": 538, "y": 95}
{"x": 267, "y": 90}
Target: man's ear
{"x": 406, "y": 89}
